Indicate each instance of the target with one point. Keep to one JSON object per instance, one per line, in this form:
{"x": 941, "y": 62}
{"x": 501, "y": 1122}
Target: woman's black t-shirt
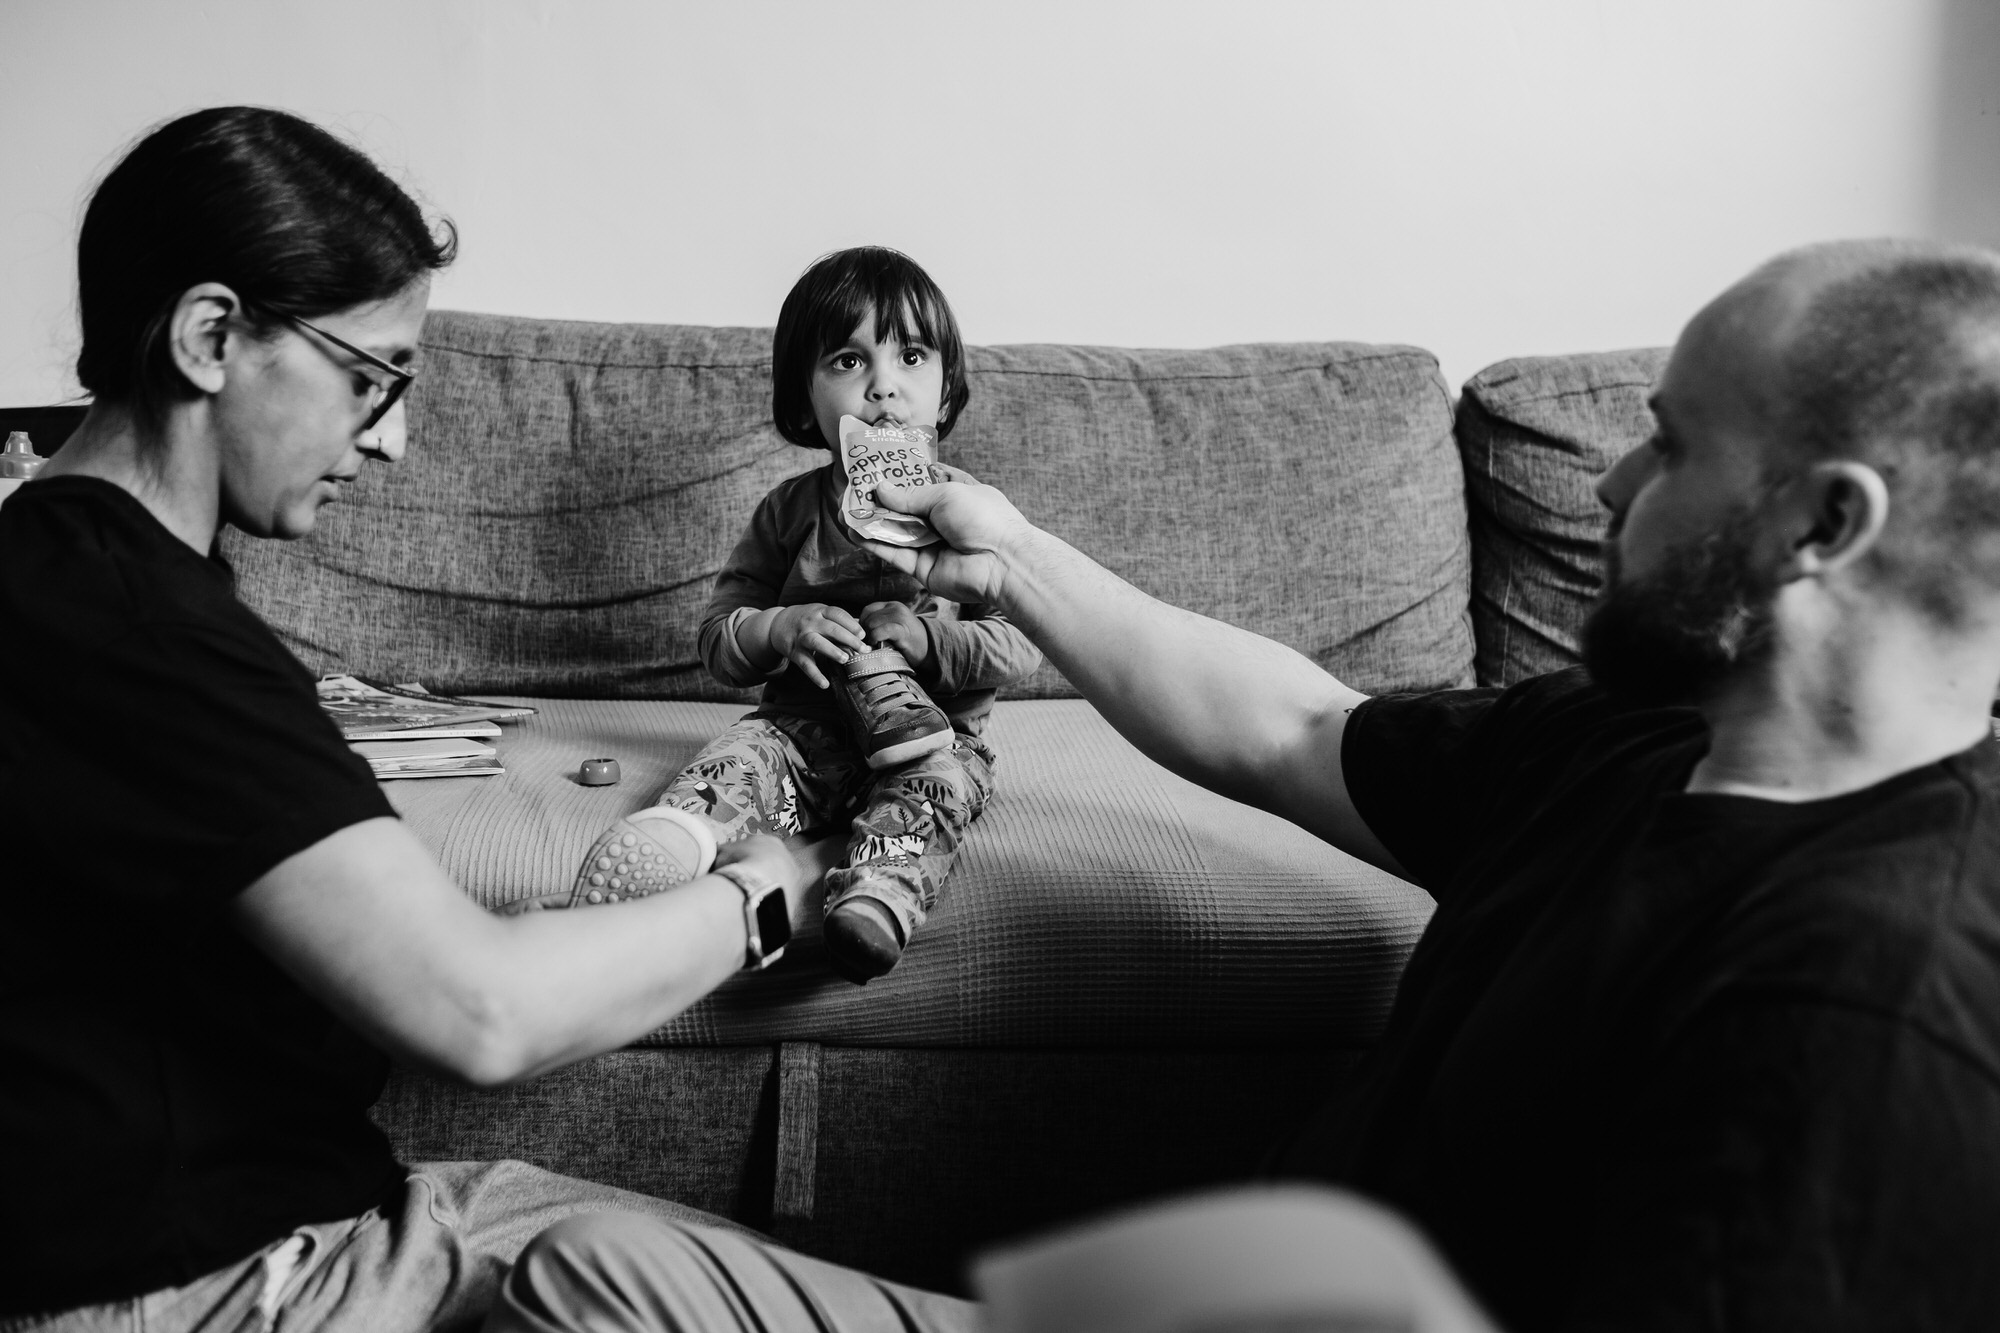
{"x": 1669, "y": 1060}
{"x": 172, "y": 1100}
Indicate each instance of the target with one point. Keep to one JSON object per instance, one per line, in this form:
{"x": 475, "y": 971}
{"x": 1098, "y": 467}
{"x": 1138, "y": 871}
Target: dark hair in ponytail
{"x": 289, "y": 217}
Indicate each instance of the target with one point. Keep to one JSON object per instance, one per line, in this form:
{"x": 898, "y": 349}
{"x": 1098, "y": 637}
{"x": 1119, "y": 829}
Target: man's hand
{"x": 894, "y": 624}
{"x": 801, "y": 634}
{"x": 974, "y": 519}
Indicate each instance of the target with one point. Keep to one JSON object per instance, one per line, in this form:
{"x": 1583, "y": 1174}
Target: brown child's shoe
{"x": 890, "y": 717}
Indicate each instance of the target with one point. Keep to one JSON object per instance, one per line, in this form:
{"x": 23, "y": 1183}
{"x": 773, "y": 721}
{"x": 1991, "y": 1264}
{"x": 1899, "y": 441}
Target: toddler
{"x": 845, "y": 646}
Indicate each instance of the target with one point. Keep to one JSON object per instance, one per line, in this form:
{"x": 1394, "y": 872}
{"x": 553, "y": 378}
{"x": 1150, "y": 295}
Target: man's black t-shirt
{"x": 172, "y": 1100}
{"x": 1666, "y": 1060}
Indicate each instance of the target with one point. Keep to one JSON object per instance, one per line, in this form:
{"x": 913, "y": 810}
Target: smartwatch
{"x": 767, "y": 922}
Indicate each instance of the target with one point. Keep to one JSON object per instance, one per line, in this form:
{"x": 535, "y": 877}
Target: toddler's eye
{"x": 915, "y": 356}
{"x": 846, "y": 361}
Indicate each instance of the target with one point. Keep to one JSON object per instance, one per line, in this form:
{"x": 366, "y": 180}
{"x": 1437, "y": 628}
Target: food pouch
{"x": 888, "y": 452}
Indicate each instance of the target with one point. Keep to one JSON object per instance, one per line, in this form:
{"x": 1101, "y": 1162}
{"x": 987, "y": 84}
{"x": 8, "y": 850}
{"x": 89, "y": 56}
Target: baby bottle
{"x": 17, "y": 464}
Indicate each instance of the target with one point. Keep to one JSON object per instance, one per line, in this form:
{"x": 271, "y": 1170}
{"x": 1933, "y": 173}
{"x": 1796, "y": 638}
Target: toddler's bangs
{"x": 901, "y": 309}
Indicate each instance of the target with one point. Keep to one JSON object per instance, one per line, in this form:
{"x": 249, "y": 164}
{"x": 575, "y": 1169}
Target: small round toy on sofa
{"x": 598, "y": 773}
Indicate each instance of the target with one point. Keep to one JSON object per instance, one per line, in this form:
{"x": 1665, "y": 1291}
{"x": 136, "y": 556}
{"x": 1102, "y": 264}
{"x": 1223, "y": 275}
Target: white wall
{"x": 1482, "y": 177}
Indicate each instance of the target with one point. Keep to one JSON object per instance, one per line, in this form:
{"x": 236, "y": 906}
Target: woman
{"x": 217, "y": 929}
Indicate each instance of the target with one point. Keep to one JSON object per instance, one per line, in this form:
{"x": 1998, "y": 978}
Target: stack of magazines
{"x": 403, "y": 731}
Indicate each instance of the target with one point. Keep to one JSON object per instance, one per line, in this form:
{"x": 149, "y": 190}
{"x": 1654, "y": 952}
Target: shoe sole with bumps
{"x": 642, "y": 854}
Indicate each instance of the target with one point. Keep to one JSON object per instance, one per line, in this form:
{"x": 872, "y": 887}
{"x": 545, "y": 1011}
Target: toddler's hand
{"x": 895, "y": 624}
{"x": 799, "y": 634}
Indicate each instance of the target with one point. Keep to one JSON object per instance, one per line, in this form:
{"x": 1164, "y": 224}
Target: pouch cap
{"x": 20, "y": 461}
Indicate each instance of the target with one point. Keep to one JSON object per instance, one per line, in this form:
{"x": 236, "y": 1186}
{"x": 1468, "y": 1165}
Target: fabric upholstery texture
{"x": 1536, "y": 433}
{"x": 571, "y": 489}
{"x": 1307, "y": 491}
{"x": 681, "y": 1128}
{"x": 899, "y": 1161}
{"x": 569, "y": 492}
{"x": 1099, "y": 901}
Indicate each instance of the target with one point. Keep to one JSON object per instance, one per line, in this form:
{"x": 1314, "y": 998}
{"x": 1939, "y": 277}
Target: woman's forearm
{"x": 368, "y": 923}
{"x": 568, "y": 984}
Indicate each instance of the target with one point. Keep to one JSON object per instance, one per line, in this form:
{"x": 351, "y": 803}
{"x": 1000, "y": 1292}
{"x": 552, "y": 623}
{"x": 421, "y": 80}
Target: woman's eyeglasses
{"x": 382, "y": 396}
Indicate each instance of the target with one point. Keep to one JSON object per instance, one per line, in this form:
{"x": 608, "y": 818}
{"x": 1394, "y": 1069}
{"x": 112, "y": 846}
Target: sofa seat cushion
{"x": 1099, "y": 901}
{"x": 1536, "y": 433}
{"x": 572, "y": 488}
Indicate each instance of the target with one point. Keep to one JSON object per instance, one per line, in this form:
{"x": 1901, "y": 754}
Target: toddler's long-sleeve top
{"x": 797, "y": 550}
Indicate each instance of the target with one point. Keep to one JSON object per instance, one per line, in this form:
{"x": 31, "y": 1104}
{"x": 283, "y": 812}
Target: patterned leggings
{"x": 787, "y": 775}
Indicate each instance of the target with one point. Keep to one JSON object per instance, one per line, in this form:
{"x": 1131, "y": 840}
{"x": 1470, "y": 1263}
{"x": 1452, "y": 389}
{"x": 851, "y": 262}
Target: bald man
{"x": 1705, "y": 1031}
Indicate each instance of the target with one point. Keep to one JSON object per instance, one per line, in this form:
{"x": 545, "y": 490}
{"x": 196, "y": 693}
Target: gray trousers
{"x": 1247, "y": 1260}
{"x": 438, "y": 1261}
{"x": 651, "y": 1274}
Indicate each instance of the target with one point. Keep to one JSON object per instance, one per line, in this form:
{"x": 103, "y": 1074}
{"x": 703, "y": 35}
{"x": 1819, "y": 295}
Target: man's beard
{"x": 1678, "y": 634}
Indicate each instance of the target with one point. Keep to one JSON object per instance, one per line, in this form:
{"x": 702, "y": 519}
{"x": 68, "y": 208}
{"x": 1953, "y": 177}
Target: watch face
{"x": 774, "y": 923}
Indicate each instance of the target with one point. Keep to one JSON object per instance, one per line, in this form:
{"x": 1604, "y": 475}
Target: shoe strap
{"x": 892, "y": 691}
{"x": 877, "y": 661}
{"x": 885, "y": 679}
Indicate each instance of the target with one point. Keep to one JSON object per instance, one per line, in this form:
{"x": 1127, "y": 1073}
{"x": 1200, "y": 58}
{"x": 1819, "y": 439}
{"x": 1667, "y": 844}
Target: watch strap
{"x": 766, "y": 933}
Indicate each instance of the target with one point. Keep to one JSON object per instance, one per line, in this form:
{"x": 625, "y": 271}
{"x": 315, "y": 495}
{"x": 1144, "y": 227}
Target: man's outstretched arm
{"x": 1221, "y": 706}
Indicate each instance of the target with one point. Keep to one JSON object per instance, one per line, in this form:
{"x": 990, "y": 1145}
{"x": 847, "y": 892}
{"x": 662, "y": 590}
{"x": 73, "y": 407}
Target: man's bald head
{"x": 1886, "y": 353}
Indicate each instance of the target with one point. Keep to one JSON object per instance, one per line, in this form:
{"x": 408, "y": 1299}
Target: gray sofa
{"x": 1132, "y": 986}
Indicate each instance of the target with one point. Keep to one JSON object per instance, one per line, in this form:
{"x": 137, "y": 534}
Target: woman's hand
{"x": 895, "y": 625}
{"x": 771, "y": 858}
{"x": 801, "y": 634}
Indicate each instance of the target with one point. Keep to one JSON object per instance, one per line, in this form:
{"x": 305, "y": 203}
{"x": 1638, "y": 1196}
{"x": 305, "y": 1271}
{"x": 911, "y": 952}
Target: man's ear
{"x": 1838, "y": 512}
{"x": 203, "y": 335}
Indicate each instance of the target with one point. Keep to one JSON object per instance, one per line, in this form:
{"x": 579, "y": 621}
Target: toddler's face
{"x": 891, "y": 380}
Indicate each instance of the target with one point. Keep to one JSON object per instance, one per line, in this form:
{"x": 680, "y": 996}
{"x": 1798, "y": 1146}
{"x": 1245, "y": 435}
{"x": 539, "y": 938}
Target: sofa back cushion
{"x": 569, "y": 492}
{"x": 572, "y": 488}
{"x": 1307, "y": 491}
{"x": 1536, "y": 433}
